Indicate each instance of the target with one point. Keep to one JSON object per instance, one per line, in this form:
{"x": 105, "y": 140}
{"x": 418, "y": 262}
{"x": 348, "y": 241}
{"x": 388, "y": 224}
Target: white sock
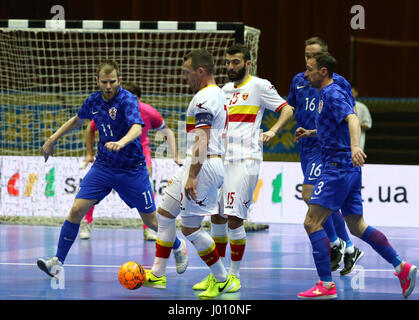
{"x": 236, "y": 234}
{"x": 334, "y": 243}
{"x": 218, "y": 230}
{"x": 350, "y": 249}
{"x": 203, "y": 242}
{"x": 166, "y": 234}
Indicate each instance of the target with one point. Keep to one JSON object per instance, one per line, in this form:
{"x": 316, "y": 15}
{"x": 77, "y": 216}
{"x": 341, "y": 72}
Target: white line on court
{"x": 193, "y": 268}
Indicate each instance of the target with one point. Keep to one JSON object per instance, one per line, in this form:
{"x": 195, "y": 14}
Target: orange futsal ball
{"x": 131, "y": 275}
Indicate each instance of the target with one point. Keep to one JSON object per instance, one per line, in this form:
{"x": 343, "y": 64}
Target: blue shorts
{"x": 339, "y": 188}
{"x": 311, "y": 164}
{"x": 132, "y": 186}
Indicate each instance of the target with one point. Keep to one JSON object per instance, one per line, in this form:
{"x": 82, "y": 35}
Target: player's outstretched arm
{"x": 171, "y": 144}
{"x": 48, "y": 147}
{"x": 358, "y": 156}
{"x": 133, "y": 133}
{"x": 287, "y": 113}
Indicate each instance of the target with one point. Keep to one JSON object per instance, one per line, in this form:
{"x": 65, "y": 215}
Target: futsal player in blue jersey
{"x": 120, "y": 162}
{"x": 339, "y": 185}
{"x": 304, "y": 98}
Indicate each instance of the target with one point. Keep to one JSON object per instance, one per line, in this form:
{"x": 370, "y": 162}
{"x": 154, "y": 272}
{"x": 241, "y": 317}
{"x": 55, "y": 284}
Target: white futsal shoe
{"x": 51, "y": 267}
{"x": 85, "y": 230}
{"x": 181, "y": 257}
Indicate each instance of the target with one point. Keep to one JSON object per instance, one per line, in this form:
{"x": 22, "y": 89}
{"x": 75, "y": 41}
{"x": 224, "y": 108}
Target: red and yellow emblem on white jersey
{"x": 246, "y": 104}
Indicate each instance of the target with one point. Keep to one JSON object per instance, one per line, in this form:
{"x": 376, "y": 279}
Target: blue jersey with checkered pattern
{"x": 305, "y": 100}
{"x": 114, "y": 119}
{"x": 332, "y": 129}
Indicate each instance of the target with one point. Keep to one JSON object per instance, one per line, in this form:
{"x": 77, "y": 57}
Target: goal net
{"x": 48, "y": 70}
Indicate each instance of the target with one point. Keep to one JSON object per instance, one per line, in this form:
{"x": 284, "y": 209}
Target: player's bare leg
{"x": 306, "y": 192}
{"x": 356, "y": 224}
{"x": 79, "y": 209}
{"x": 315, "y": 218}
{"x": 150, "y": 220}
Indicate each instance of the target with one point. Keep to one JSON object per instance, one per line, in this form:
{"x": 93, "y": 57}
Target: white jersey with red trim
{"x": 246, "y": 104}
{"x": 207, "y": 109}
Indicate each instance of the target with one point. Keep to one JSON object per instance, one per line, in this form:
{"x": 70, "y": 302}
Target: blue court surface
{"x": 277, "y": 265}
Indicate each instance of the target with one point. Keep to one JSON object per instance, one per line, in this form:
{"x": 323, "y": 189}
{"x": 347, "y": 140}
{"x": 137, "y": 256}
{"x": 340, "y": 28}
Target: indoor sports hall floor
{"x": 278, "y": 264}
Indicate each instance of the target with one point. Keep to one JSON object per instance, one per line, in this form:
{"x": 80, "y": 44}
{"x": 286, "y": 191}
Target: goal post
{"x": 48, "y": 70}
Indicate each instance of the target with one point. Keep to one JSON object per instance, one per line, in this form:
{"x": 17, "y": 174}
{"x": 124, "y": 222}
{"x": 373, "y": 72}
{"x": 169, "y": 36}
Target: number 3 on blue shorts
{"x": 319, "y": 188}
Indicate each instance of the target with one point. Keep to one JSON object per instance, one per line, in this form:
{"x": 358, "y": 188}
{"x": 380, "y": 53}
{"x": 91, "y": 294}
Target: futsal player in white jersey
{"x": 193, "y": 190}
{"x": 247, "y": 98}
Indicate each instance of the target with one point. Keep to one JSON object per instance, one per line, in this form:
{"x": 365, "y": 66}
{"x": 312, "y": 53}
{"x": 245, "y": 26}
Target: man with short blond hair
{"x": 120, "y": 162}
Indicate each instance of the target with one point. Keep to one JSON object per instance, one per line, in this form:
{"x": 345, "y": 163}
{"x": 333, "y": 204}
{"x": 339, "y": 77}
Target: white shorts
{"x": 210, "y": 179}
{"x": 240, "y": 182}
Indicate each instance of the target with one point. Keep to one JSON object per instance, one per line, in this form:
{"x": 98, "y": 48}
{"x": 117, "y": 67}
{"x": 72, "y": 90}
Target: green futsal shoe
{"x": 154, "y": 282}
{"x": 216, "y": 288}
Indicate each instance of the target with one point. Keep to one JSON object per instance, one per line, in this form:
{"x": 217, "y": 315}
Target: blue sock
{"x": 330, "y": 229}
{"x": 176, "y": 244}
{"x": 340, "y": 228}
{"x": 379, "y": 242}
{"x": 321, "y": 254}
{"x": 68, "y": 235}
